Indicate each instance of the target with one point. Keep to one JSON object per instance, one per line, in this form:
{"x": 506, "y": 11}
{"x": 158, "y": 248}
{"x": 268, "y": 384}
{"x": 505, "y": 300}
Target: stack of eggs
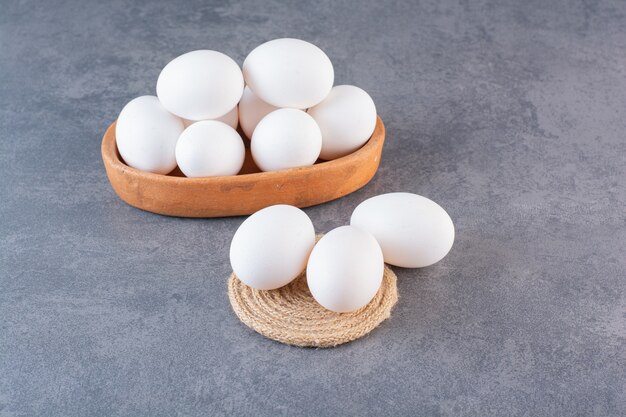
{"x": 344, "y": 269}
{"x": 284, "y": 101}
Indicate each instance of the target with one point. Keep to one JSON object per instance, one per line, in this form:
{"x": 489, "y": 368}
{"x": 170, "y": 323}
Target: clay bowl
{"x": 250, "y": 191}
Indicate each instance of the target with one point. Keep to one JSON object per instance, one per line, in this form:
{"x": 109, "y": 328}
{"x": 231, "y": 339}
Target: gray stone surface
{"x": 511, "y": 115}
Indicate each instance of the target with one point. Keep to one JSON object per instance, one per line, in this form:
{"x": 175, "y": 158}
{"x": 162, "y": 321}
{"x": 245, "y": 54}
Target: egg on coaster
{"x": 231, "y": 119}
{"x": 146, "y": 135}
{"x": 345, "y": 269}
{"x": 347, "y": 118}
{"x": 200, "y": 85}
{"x": 289, "y": 73}
{"x": 412, "y": 230}
{"x": 210, "y": 148}
{"x": 286, "y": 138}
{"x": 272, "y": 246}
{"x": 251, "y": 110}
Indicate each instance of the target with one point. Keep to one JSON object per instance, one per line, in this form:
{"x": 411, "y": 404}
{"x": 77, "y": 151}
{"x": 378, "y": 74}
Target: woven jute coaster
{"x": 291, "y": 315}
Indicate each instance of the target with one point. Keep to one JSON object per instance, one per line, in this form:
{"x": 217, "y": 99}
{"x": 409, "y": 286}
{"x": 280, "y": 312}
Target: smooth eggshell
{"x": 289, "y": 73}
{"x": 412, "y": 230}
{"x": 210, "y": 148}
{"x": 272, "y": 246}
{"x": 231, "y": 119}
{"x": 345, "y": 269}
{"x": 200, "y": 85}
{"x": 251, "y": 110}
{"x": 146, "y": 135}
{"x": 346, "y": 117}
{"x": 286, "y": 138}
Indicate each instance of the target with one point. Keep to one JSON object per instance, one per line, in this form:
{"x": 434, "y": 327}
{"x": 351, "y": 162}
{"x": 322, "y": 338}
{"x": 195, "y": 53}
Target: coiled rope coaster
{"x": 291, "y": 315}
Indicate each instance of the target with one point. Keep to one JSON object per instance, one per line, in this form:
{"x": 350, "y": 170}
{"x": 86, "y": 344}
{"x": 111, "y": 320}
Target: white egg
{"x": 346, "y": 117}
{"x": 286, "y": 138}
{"x": 146, "y": 135}
{"x": 289, "y": 73}
{"x": 251, "y": 110}
{"x": 412, "y": 230}
{"x": 272, "y": 246}
{"x": 345, "y": 269}
{"x": 200, "y": 85}
{"x": 231, "y": 119}
{"x": 210, "y": 148}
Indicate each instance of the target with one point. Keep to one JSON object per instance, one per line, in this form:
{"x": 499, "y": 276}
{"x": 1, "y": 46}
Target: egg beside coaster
{"x": 291, "y": 315}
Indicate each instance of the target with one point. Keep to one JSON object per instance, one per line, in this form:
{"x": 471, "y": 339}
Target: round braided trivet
{"x": 291, "y": 315}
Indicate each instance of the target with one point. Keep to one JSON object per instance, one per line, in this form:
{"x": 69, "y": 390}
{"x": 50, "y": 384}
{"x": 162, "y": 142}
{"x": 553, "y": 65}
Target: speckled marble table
{"x": 511, "y": 115}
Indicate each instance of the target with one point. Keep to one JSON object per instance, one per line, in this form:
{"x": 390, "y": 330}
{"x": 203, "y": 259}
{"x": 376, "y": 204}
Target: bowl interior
{"x": 249, "y": 166}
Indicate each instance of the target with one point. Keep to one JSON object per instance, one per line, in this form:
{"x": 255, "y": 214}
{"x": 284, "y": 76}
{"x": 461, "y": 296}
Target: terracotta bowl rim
{"x": 112, "y": 158}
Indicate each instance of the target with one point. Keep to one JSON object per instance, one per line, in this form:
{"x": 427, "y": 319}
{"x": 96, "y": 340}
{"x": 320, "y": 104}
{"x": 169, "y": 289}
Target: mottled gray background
{"x": 511, "y": 115}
